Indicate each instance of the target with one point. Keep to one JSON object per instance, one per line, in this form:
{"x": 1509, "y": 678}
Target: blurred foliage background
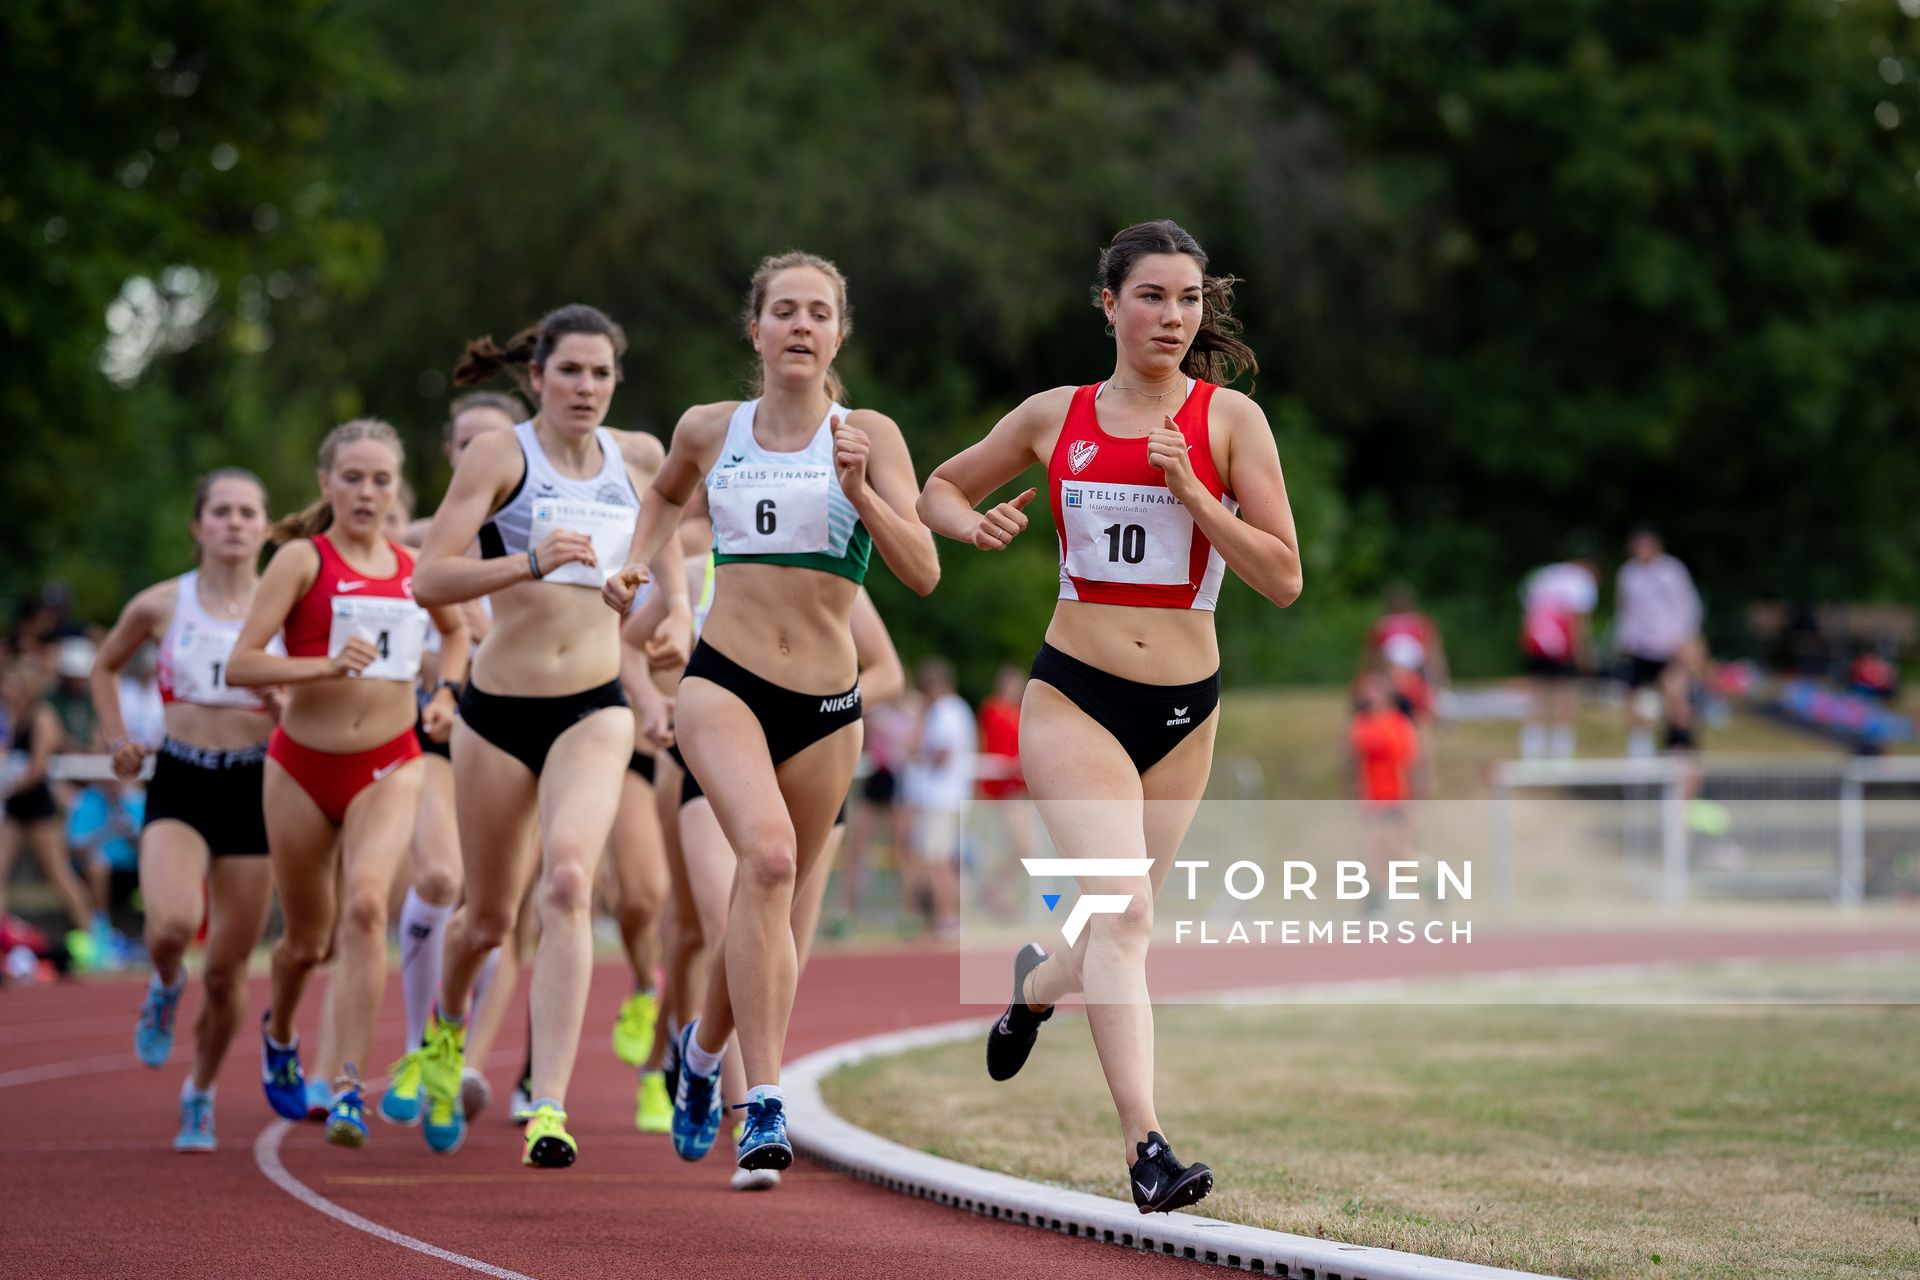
{"x": 1520, "y": 274}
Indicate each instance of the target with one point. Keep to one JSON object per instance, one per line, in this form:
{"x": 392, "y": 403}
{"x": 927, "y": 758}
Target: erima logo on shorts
{"x": 845, "y": 702}
{"x": 1180, "y": 716}
{"x": 1088, "y": 905}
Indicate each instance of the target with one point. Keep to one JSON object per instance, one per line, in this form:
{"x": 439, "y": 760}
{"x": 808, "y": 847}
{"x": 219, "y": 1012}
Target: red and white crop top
{"x": 1124, "y": 537}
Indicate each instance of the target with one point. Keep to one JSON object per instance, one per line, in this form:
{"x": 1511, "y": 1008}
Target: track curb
{"x": 824, "y": 1136}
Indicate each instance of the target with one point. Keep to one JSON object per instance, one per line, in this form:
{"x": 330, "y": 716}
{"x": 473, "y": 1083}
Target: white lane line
{"x": 266, "y": 1154}
{"x": 64, "y": 1070}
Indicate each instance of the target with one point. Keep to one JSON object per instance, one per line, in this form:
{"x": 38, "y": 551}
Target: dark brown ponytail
{"x": 484, "y": 358}
{"x": 1217, "y": 354}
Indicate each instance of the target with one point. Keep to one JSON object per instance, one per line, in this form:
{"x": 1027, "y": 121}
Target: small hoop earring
{"x": 1109, "y": 328}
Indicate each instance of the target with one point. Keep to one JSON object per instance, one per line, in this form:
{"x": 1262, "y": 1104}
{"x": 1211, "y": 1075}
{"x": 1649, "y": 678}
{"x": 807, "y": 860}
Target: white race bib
{"x": 608, "y": 526}
{"x": 770, "y": 509}
{"x": 200, "y": 668}
{"x": 397, "y": 628}
{"x": 1130, "y": 533}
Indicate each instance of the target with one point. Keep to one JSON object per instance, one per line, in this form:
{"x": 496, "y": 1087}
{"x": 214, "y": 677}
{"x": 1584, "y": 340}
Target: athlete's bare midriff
{"x": 1151, "y": 646}
{"x": 216, "y": 728}
{"x": 787, "y": 625}
{"x": 548, "y": 640}
{"x": 348, "y": 714}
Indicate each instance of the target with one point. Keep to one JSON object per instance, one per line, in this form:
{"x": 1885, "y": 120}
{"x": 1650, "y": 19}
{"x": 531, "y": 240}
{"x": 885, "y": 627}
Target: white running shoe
{"x": 755, "y": 1179}
{"x": 475, "y": 1092}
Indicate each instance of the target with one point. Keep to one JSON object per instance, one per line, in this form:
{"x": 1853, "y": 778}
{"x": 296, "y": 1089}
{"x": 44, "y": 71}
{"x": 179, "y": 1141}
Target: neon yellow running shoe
{"x": 653, "y": 1109}
{"x": 400, "y": 1104}
{"x": 633, "y": 1029}
{"x": 549, "y": 1145}
{"x": 442, "y": 1056}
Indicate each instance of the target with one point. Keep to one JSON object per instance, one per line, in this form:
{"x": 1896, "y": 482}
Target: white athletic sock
{"x": 545, "y": 1101}
{"x": 1563, "y": 742}
{"x": 767, "y": 1093}
{"x": 485, "y": 980}
{"x": 291, "y": 1044}
{"x": 698, "y": 1060}
{"x": 153, "y": 980}
{"x": 1640, "y": 744}
{"x": 423, "y": 931}
{"x": 187, "y": 1091}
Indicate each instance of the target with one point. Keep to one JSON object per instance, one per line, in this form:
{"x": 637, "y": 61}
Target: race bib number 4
{"x": 397, "y": 629}
{"x": 608, "y": 526}
{"x": 770, "y": 510}
{"x": 1132, "y": 533}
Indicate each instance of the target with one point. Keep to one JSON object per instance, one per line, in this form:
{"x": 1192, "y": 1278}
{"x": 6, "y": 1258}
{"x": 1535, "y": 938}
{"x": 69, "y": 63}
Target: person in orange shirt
{"x": 1385, "y": 747}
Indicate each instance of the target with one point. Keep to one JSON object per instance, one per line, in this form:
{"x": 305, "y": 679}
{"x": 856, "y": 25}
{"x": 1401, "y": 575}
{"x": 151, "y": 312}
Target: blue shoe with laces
{"x": 196, "y": 1123}
{"x": 347, "y": 1121}
{"x": 280, "y": 1073}
{"x": 763, "y": 1143}
{"x": 696, "y": 1120}
{"x": 153, "y": 1033}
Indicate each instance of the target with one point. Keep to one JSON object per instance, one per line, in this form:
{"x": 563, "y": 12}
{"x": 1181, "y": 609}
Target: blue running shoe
{"x": 696, "y": 1120}
{"x": 319, "y": 1100}
{"x": 347, "y": 1121}
{"x": 763, "y": 1144}
{"x": 280, "y": 1072}
{"x": 196, "y": 1123}
{"x": 153, "y": 1034}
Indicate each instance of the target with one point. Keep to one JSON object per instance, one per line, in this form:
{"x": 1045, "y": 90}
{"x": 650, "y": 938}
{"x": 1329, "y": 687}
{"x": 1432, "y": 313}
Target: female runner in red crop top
{"x": 1159, "y": 480}
{"x": 340, "y": 766}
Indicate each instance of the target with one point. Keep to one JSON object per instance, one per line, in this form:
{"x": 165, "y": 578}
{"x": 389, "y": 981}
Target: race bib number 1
{"x": 607, "y": 525}
{"x": 396, "y": 628}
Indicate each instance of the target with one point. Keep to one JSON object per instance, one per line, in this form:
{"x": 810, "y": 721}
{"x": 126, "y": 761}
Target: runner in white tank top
{"x": 545, "y": 731}
{"x": 204, "y": 822}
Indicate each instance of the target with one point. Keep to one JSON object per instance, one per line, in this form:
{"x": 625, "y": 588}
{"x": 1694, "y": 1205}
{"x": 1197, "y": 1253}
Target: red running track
{"x": 93, "y": 1189}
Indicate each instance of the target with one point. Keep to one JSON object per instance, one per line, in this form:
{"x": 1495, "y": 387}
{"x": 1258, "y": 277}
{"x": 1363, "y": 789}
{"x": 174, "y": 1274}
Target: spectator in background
{"x": 1656, "y": 633}
{"x": 939, "y": 785}
{"x": 999, "y": 780}
{"x": 1385, "y": 747}
{"x": 32, "y": 815}
{"x": 878, "y": 804}
{"x": 104, "y": 832}
{"x": 72, "y": 695}
{"x": 1408, "y": 643}
{"x": 1556, "y": 601}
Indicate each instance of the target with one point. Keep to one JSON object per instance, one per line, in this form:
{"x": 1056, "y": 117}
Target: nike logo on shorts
{"x": 387, "y": 769}
{"x": 344, "y": 587}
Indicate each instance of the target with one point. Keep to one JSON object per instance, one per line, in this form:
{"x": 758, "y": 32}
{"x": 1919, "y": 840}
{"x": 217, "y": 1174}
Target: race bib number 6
{"x": 770, "y": 510}
{"x": 1132, "y": 533}
{"x": 397, "y": 629}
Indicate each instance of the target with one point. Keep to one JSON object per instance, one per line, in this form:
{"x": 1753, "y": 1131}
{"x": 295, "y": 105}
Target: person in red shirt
{"x": 1386, "y": 748}
{"x": 1000, "y": 780}
{"x": 1408, "y": 643}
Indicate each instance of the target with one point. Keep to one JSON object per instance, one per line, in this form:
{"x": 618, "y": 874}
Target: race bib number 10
{"x": 1132, "y": 533}
{"x": 397, "y": 629}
